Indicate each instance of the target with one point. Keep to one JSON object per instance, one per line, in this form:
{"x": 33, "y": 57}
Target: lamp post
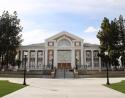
{"x": 51, "y": 58}
{"x": 76, "y": 63}
{"x": 107, "y": 73}
{"x": 25, "y": 58}
{"x": 52, "y": 62}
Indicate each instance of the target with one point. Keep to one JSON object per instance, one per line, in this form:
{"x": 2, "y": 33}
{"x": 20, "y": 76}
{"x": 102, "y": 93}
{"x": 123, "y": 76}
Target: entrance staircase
{"x": 64, "y": 73}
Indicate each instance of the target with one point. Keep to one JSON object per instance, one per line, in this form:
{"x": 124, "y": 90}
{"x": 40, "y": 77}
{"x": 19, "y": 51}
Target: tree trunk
{"x": 1, "y": 62}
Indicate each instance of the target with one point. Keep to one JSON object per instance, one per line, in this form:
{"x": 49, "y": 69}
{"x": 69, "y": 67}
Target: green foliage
{"x": 10, "y": 37}
{"x": 112, "y": 39}
{"x": 120, "y": 86}
{"x": 7, "y": 87}
{"x": 103, "y": 34}
{"x": 121, "y": 25}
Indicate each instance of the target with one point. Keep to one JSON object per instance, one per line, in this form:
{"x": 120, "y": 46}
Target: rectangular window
{"x": 77, "y": 43}
{"x": 50, "y": 43}
{"x": 88, "y": 58}
{"x": 96, "y": 58}
{"x": 32, "y": 59}
{"x": 40, "y": 59}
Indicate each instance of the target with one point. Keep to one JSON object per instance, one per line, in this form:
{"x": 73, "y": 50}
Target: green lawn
{"x": 120, "y": 86}
{"x": 6, "y": 87}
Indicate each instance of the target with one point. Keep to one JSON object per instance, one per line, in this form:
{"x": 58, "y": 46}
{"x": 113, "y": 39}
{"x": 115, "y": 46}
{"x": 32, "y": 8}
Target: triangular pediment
{"x": 64, "y": 34}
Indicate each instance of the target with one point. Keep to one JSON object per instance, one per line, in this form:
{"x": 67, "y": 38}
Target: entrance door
{"x": 64, "y": 65}
{"x": 64, "y": 59}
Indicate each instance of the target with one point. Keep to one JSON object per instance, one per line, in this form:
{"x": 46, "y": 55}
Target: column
{"x": 73, "y": 58}
{"x": 85, "y": 57}
{"x": 92, "y": 60}
{"x": 43, "y": 64}
{"x": 21, "y": 56}
{"x": 82, "y": 47}
{"x": 85, "y": 62}
{"x": 82, "y": 57}
{"x": 46, "y": 57}
{"x": 99, "y": 63}
{"x": 55, "y": 54}
{"x": 28, "y": 61}
{"x": 55, "y": 58}
{"x": 36, "y": 59}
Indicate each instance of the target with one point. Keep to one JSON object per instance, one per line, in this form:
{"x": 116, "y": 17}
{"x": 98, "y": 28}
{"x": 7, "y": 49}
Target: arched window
{"x": 64, "y": 42}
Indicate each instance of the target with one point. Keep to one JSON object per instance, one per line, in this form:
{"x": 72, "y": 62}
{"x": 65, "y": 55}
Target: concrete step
{"x": 64, "y": 74}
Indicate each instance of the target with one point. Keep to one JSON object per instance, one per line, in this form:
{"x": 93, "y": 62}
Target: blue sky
{"x": 43, "y": 18}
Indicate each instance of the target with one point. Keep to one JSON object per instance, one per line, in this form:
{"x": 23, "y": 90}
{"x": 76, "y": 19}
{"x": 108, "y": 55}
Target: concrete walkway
{"x": 65, "y": 88}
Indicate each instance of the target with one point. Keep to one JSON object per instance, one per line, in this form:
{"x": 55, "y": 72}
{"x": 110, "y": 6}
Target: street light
{"x": 25, "y": 59}
{"x": 106, "y": 59}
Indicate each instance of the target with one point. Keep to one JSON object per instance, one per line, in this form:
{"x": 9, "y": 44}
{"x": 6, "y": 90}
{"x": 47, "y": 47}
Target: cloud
{"x": 39, "y": 36}
{"x": 36, "y": 36}
{"x": 89, "y": 35}
{"x": 91, "y": 29}
{"x": 32, "y": 11}
{"x": 74, "y": 6}
{"x": 92, "y": 40}
{"x": 18, "y": 5}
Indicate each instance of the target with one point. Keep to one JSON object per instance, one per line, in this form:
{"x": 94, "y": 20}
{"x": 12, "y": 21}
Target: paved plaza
{"x": 65, "y": 88}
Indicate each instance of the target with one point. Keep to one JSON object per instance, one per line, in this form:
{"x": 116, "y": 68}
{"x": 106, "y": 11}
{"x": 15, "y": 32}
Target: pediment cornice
{"x": 64, "y": 34}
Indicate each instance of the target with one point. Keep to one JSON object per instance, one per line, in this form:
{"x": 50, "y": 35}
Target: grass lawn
{"x": 7, "y": 87}
{"x": 120, "y": 86}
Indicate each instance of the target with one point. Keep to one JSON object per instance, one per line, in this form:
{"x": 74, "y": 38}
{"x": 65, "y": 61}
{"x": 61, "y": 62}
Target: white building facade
{"x": 63, "y": 50}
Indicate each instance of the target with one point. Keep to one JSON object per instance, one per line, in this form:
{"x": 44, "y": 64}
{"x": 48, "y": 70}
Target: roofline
{"x": 64, "y": 32}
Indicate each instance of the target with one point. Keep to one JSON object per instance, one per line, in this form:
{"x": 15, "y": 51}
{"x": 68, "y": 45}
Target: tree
{"x": 114, "y": 51}
{"x": 112, "y": 40}
{"x": 10, "y": 37}
{"x": 108, "y": 36}
{"x": 104, "y": 37}
{"x": 121, "y": 26}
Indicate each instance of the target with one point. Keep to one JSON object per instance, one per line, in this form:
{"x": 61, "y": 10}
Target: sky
{"x": 41, "y": 19}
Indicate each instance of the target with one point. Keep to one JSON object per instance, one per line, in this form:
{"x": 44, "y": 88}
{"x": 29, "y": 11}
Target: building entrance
{"x": 64, "y": 65}
{"x": 64, "y": 59}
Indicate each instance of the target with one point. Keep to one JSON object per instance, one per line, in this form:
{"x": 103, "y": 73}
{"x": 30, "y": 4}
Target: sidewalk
{"x": 65, "y": 88}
